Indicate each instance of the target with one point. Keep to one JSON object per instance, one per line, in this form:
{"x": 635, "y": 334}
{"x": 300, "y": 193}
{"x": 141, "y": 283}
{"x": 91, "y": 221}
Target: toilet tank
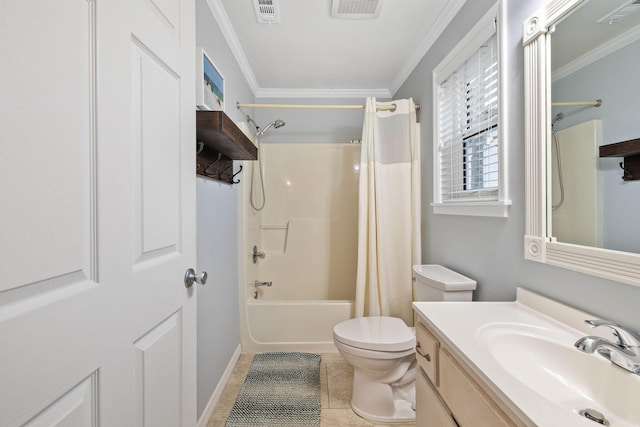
{"x": 437, "y": 283}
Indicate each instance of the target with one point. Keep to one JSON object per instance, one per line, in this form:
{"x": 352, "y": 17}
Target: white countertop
{"x": 462, "y": 323}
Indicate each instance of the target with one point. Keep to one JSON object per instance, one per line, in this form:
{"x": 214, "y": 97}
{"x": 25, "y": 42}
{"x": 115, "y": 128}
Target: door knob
{"x": 190, "y": 276}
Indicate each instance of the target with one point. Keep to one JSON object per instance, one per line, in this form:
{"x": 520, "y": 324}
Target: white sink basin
{"x": 544, "y": 359}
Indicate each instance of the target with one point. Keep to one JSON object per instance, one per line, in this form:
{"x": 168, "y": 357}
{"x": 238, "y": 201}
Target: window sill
{"x": 498, "y": 209}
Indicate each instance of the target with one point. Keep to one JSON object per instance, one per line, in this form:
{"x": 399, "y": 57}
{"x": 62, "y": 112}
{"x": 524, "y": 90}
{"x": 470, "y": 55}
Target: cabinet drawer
{"x": 430, "y": 409}
{"x": 427, "y": 353}
{"x": 465, "y": 398}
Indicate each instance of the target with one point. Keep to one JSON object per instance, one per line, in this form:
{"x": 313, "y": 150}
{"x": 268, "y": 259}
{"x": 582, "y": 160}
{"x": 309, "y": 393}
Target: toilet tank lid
{"x": 442, "y": 278}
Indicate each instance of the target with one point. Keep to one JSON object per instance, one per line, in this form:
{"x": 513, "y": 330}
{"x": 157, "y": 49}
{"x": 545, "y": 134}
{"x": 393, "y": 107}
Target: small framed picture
{"x": 209, "y": 84}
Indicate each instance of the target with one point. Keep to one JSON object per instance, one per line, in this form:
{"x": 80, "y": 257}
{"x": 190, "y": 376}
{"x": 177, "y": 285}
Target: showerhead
{"x": 276, "y": 124}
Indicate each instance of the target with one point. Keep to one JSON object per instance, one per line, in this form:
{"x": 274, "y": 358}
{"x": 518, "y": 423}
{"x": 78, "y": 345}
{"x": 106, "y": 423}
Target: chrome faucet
{"x": 258, "y": 284}
{"x": 624, "y": 353}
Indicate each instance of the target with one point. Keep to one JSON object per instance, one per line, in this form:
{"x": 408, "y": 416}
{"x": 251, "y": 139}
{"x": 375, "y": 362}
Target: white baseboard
{"x": 217, "y": 393}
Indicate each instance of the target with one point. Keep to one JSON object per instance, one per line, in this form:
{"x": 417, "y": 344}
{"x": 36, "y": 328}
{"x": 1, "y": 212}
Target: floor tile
{"x": 333, "y": 358}
{"x": 340, "y": 383}
{"x": 341, "y": 417}
{"x": 245, "y": 359}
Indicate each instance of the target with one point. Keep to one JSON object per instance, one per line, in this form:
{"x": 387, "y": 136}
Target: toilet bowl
{"x": 382, "y": 353}
{"x": 382, "y": 349}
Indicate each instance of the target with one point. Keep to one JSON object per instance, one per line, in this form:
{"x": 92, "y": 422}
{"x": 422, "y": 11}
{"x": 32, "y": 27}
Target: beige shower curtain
{"x": 389, "y": 211}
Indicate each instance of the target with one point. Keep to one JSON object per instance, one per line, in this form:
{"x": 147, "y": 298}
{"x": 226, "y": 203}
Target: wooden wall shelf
{"x": 220, "y": 141}
{"x": 220, "y": 134}
{"x": 630, "y": 150}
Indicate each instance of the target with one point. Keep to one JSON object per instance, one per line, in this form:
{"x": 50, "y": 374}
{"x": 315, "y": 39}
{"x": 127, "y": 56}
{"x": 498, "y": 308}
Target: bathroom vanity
{"x": 449, "y": 393}
{"x": 515, "y": 364}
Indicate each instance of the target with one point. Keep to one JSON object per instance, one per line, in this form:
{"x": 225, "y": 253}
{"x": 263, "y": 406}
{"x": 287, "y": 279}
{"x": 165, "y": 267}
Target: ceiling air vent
{"x": 622, "y": 12}
{"x": 267, "y": 11}
{"x": 356, "y": 9}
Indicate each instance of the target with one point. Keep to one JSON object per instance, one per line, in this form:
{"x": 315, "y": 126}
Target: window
{"x": 468, "y": 147}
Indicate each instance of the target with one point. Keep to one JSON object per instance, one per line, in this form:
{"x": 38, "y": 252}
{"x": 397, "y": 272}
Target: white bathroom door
{"x": 97, "y": 223}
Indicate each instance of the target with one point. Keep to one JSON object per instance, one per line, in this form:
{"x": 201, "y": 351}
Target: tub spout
{"x": 258, "y": 284}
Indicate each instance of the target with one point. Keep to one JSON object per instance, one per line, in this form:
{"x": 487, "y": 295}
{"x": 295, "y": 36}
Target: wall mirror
{"x": 581, "y": 61}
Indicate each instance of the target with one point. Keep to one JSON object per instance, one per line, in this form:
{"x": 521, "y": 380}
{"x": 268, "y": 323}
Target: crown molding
{"x": 444, "y": 19}
{"x": 596, "y": 54}
{"x": 322, "y": 93}
{"x": 221, "y": 17}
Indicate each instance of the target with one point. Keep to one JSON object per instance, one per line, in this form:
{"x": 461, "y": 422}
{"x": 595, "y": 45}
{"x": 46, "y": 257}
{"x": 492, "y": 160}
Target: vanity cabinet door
{"x": 427, "y": 352}
{"x": 465, "y": 398}
{"x": 430, "y": 409}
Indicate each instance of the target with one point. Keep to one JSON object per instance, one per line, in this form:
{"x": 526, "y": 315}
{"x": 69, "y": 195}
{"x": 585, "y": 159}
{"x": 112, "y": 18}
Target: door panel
{"x": 40, "y": 140}
{"x": 156, "y": 136}
{"x": 158, "y": 370}
{"x": 76, "y": 408}
{"x": 168, "y": 11}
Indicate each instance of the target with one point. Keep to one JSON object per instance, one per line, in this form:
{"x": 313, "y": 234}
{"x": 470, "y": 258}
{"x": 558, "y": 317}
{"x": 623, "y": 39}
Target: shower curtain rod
{"x": 391, "y": 107}
{"x": 596, "y": 103}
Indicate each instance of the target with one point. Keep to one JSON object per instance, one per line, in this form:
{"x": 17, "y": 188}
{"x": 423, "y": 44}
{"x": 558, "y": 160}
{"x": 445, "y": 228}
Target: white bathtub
{"x": 293, "y": 325}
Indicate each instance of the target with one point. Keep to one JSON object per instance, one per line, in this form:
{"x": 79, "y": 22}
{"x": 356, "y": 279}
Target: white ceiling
{"x": 310, "y": 54}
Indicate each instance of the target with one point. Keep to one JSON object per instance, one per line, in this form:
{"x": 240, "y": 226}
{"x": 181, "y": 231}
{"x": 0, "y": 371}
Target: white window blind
{"x": 468, "y": 128}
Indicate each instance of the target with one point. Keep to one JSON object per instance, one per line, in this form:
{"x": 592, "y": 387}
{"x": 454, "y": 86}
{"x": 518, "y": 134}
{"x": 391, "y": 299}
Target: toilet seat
{"x": 381, "y": 333}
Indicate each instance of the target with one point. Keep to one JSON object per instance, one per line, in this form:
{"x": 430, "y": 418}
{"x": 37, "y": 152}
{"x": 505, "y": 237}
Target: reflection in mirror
{"x": 615, "y": 124}
{"x": 595, "y": 55}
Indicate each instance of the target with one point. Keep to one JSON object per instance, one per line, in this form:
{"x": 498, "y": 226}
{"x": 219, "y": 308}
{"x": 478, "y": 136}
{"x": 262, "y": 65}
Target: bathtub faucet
{"x": 258, "y": 284}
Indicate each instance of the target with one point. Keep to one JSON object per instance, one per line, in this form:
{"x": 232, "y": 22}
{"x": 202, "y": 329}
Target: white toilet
{"x": 382, "y": 349}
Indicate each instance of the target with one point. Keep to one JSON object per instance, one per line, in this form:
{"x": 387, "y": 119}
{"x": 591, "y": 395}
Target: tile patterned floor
{"x": 336, "y": 377}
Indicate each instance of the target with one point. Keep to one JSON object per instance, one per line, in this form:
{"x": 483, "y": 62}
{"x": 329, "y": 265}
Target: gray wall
{"x": 613, "y": 79}
{"x": 217, "y": 237}
{"x": 218, "y": 318}
{"x": 490, "y": 250}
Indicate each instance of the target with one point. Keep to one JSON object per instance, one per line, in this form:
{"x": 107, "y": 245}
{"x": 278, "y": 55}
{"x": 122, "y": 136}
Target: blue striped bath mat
{"x": 281, "y": 389}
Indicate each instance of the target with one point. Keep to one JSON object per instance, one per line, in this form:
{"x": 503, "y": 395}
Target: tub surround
{"x": 460, "y": 335}
{"x": 308, "y": 233}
